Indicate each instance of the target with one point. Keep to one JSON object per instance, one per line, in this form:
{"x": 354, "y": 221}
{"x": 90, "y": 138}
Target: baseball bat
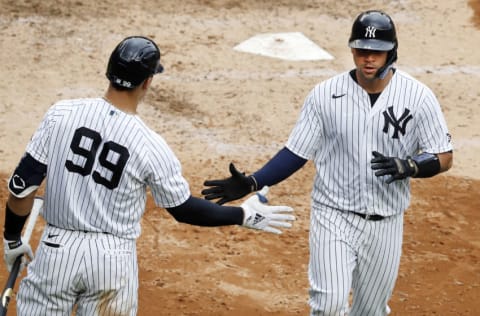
{"x": 12, "y": 278}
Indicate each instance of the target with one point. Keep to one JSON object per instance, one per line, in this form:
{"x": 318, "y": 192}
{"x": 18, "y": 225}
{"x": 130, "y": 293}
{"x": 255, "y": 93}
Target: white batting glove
{"x": 14, "y": 248}
{"x": 259, "y": 215}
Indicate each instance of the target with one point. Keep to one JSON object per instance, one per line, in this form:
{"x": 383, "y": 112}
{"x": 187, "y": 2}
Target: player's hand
{"x": 14, "y": 248}
{"x": 229, "y": 189}
{"x": 259, "y": 215}
{"x": 397, "y": 168}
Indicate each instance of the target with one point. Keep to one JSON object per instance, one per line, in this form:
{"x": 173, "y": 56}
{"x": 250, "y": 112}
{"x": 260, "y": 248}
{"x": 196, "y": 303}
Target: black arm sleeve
{"x": 13, "y": 224}
{"x": 200, "y": 212}
{"x": 281, "y": 166}
{"x": 27, "y": 177}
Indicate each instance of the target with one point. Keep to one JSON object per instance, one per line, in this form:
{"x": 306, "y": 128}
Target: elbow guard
{"x": 427, "y": 165}
{"x": 27, "y": 177}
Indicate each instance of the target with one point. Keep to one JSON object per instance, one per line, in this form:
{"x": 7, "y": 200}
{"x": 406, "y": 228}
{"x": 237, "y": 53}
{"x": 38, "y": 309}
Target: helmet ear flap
{"x": 391, "y": 58}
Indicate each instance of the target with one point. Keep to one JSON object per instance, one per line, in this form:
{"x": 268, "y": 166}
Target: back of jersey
{"x": 98, "y": 166}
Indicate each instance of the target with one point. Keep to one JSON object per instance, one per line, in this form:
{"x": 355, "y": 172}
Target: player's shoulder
{"x": 401, "y": 75}
{"x": 64, "y": 107}
{"x": 77, "y": 101}
{"x": 151, "y": 138}
{"x": 339, "y": 79}
{"x": 403, "y": 78}
{"x": 155, "y": 148}
{"x": 71, "y": 104}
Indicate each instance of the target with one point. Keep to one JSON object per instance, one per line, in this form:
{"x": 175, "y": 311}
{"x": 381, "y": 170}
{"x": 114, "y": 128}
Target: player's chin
{"x": 369, "y": 72}
{"x": 368, "y": 75}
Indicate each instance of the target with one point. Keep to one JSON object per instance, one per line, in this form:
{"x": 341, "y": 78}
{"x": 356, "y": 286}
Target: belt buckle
{"x": 367, "y": 216}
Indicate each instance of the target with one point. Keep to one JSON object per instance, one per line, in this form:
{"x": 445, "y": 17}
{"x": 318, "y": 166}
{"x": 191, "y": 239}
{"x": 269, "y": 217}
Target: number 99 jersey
{"x": 100, "y": 162}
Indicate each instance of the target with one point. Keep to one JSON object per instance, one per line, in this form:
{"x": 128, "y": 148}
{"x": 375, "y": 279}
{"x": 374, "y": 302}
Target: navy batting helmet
{"x": 133, "y": 60}
{"x": 374, "y": 30}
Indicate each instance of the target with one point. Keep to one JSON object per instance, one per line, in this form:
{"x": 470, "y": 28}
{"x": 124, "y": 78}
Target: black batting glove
{"x": 229, "y": 189}
{"x": 397, "y": 168}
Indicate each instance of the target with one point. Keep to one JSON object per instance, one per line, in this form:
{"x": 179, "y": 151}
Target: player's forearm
{"x": 446, "y": 161}
{"x": 200, "y": 212}
{"x": 21, "y": 206}
{"x": 281, "y": 166}
{"x": 428, "y": 165}
{"x": 16, "y": 214}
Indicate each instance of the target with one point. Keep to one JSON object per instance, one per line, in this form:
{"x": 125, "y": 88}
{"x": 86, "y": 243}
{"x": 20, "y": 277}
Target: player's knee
{"x": 328, "y": 303}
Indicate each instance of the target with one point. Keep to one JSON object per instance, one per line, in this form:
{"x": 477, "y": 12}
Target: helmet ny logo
{"x": 399, "y": 124}
{"x": 370, "y": 31}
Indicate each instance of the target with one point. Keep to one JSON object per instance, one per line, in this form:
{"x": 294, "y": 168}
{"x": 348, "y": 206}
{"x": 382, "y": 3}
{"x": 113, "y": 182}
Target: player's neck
{"x": 125, "y": 101}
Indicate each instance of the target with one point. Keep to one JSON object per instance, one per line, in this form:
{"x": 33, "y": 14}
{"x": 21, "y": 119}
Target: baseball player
{"x": 99, "y": 158}
{"x": 367, "y": 131}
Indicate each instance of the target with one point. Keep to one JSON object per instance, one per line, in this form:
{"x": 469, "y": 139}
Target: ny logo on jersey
{"x": 399, "y": 125}
{"x": 370, "y": 31}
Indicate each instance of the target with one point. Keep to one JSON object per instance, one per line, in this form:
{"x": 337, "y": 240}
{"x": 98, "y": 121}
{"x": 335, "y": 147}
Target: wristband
{"x": 428, "y": 165}
{"x": 13, "y": 224}
{"x": 413, "y": 166}
{"x": 254, "y": 185}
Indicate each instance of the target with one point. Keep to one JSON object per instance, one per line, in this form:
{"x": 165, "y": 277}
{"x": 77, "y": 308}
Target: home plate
{"x": 289, "y": 46}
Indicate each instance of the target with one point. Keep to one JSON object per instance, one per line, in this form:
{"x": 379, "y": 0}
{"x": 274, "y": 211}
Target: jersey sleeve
{"x": 39, "y": 142}
{"x": 434, "y": 136}
{"x": 168, "y": 186}
{"x": 305, "y": 136}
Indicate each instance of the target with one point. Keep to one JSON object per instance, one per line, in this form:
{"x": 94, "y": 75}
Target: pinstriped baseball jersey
{"x": 100, "y": 161}
{"x": 338, "y": 129}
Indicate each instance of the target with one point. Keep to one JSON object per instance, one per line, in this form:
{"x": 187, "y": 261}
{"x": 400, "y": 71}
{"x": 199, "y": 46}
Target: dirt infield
{"x": 214, "y": 105}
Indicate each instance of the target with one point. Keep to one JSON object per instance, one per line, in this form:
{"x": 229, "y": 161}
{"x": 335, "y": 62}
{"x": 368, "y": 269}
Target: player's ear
{"x": 147, "y": 82}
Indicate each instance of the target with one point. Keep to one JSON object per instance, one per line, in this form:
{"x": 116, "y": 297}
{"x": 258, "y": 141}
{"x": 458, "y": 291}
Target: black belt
{"x": 370, "y": 217}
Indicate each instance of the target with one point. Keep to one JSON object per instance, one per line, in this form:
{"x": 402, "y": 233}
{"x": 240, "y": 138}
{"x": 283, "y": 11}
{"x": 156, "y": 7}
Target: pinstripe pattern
{"x": 77, "y": 202}
{"x": 100, "y": 162}
{"x": 347, "y": 252}
{"x": 338, "y": 129}
{"x": 99, "y": 270}
{"x": 340, "y": 135}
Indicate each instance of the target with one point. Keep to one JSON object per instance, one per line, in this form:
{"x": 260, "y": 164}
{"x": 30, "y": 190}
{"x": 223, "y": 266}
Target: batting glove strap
{"x": 253, "y": 183}
{"x": 13, "y": 244}
{"x": 14, "y": 248}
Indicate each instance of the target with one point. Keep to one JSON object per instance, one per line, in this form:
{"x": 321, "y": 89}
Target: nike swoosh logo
{"x": 334, "y": 96}
{"x": 52, "y": 235}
